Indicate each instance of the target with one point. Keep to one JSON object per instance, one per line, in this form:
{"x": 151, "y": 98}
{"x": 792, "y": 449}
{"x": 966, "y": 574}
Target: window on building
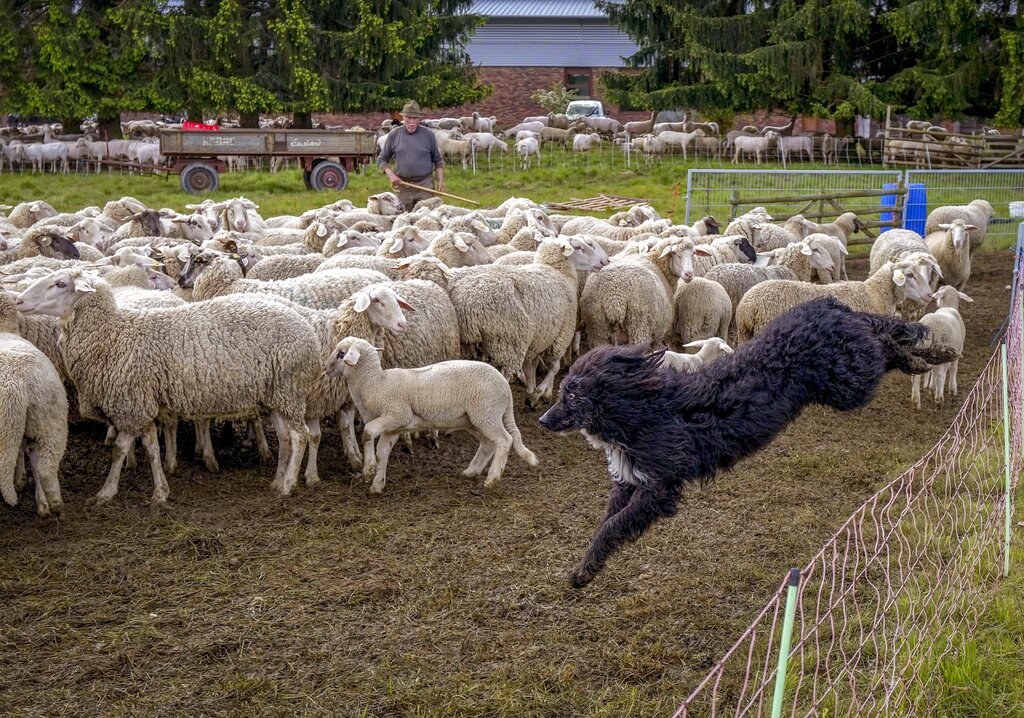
{"x": 579, "y": 79}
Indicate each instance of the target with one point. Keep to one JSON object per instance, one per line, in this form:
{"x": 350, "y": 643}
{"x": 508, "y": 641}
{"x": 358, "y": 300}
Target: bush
{"x": 554, "y": 100}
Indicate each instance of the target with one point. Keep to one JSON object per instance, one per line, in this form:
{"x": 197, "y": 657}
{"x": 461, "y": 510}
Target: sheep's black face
{"x": 747, "y": 248}
{"x": 150, "y": 220}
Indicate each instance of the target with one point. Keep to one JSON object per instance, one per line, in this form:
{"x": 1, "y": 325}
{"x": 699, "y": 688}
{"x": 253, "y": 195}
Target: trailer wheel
{"x": 199, "y": 178}
{"x": 305, "y": 179}
{"x": 328, "y": 175}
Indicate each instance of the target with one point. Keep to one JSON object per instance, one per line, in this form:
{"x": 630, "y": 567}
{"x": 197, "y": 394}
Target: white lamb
{"x": 946, "y": 329}
{"x": 710, "y": 349}
{"x": 448, "y": 395}
{"x": 526, "y": 149}
{"x": 34, "y": 408}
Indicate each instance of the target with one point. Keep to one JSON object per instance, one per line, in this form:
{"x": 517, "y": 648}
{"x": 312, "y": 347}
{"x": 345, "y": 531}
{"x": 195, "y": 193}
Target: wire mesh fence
{"x": 726, "y": 193}
{"x": 999, "y": 187}
{"x": 901, "y": 583}
{"x": 729, "y": 193}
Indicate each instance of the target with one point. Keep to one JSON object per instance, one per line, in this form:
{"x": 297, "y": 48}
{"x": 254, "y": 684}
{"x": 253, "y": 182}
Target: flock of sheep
{"x": 403, "y": 322}
{"x": 461, "y": 139}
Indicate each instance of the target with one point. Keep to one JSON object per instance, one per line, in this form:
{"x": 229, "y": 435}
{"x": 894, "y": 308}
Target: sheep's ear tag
{"x": 44, "y": 240}
{"x": 321, "y": 230}
{"x": 231, "y": 247}
{"x": 362, "y": 302}
{"x": 352, "y": 356}
{"x": 805, "y": 249}
{"x": 899, "y": 278}
{"x": 235, "y": 257}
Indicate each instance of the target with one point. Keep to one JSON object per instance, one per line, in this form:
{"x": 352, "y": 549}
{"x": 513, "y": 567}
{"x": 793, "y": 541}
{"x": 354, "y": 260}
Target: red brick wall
{"x": 510, "y": 102}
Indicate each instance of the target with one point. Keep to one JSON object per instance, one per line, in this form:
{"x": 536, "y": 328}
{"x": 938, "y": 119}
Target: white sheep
{"x": 34, "y": 407}
{"x": 526, "y": 149}
{"x": 795, "y": 262}
{"x": 225, "y": 358}
{"x": 881, "y": 293}
{"x": 25, "y": 214}
{"x": 950, "y": 245}
{"x": 702, "y": 310}
{"x": 448, "y": 395}
{"x": 631, "y": 300}
{"x": 709, "y": 350}
{"x": 977, "y": 213}
{"x": 513, "y": 316}
{"x": 946, "y": 328}
{"x": 756, "y": 145}
{"x": 213, "y": 274}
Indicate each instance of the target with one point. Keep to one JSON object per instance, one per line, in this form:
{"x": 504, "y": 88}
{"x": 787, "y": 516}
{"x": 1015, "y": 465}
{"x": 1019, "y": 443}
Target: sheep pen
{"x": 437, "y": 597}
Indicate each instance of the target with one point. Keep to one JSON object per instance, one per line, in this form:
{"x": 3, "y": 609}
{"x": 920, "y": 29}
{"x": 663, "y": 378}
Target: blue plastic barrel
{"x": 888, "y": 200}
{"x": 915, "y": 210}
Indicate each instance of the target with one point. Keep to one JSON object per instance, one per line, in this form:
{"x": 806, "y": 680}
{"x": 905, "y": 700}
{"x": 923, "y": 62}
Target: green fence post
{"x": 1006, "y": 459}
{"x": 787, "y": 637}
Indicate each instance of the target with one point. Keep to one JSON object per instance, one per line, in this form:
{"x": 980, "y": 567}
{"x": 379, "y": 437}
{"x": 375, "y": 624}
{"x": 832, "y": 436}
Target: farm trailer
{"x": 327, "y": 156}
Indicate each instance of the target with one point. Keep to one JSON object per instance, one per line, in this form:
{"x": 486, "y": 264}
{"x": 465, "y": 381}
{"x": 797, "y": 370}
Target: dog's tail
{"x": 901, "y": 341}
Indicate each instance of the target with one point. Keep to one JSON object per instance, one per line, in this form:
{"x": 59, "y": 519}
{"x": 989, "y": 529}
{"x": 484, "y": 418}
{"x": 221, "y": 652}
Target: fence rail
{"x": 728, "y": 193}
{"x": 903, "y": 580}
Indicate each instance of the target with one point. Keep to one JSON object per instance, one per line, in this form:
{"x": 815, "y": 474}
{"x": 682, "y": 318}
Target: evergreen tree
{"x": 952, "y": 53}
{"x": 739, "y": 56}
{"x": 72, "y": 59}
{"x": 307, "y": 56}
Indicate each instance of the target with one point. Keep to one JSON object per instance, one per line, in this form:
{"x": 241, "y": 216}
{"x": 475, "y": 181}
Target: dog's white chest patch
{"x": 620, "y": 466}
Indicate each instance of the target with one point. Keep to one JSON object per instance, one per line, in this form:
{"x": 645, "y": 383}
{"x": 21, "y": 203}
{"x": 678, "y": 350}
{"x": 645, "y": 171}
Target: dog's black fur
{"x": 662, "y": 430}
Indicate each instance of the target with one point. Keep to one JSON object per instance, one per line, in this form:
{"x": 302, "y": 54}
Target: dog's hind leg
{"x": 645, "y": 506}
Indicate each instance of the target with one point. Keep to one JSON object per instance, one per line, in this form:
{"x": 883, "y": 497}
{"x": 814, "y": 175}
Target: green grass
{"x": 985, "y": 677}
{"x": 562, "y": 176}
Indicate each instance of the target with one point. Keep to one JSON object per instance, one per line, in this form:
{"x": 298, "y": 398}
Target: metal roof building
{"x": 546, "y": 33}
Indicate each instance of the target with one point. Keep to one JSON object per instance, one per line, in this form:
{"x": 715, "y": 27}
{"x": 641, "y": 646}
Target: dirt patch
{"x": 437, "y": 598}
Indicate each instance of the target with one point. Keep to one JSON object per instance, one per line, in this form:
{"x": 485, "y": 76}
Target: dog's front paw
{"x": 580, "y": 578}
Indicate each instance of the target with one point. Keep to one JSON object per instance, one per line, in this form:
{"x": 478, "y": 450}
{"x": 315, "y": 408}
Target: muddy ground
{"x": 437, "y": 598}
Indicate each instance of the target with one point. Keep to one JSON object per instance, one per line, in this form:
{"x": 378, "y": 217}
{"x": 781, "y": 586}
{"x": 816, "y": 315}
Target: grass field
{"x": 438, "y": 598}
{"x": 562, "y": 177}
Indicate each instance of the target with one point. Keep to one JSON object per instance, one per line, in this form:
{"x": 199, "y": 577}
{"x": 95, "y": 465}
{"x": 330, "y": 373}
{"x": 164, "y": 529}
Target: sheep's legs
{"x": 283, "y": 451}
{"x": 384, "y": 445}
{"x": 915, "y": 389}
{"x": 151, "y": 443}
{"x": 122, "y": 443}
{"x": 170, "y": 432}
{"x": 203, "y": 439}
{"x": 644, "y": 507}
{"x": 953, "y": 366}
{"x": 547, "y": 386}
{"x": 262, "y": 447}
{"x": 292, "y": 445}
{"x": 312, "y": 477}
{"x": 483, "y": 455}
{"x": 45, "y": 456}
{"x": 20, "y": 476}
{"x": 349, "y": 442}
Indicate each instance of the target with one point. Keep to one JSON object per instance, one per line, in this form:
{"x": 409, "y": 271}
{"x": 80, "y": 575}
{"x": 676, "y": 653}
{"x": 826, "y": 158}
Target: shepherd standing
{"x": 417, "y": 157}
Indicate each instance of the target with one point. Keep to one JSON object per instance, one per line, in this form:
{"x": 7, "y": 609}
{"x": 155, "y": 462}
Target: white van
{"x": 585, "y": 108}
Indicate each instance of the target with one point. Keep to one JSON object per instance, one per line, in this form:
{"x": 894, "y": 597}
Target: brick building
{"x": 528, "y": 45}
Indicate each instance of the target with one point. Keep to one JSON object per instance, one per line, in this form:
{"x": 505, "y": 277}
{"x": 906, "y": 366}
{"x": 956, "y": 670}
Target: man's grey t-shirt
{"x": 416, "y": 153}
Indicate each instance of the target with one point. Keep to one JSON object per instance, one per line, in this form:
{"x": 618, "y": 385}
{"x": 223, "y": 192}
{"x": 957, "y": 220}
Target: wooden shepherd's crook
{"x": 434, "y": 191}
